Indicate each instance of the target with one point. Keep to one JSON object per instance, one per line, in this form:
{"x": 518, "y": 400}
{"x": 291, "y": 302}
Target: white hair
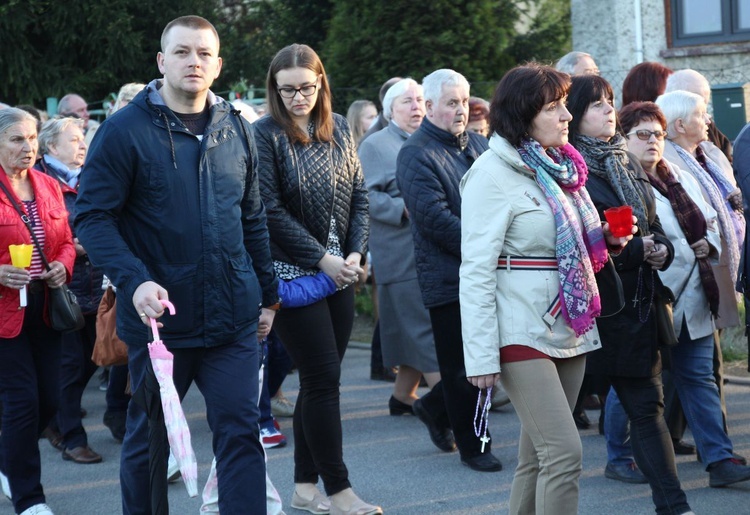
{"x": 676, "y": 105}
{"x": 689, "y": 80}
{"x": 397, "y": 90}
{"x": 52, "y": 129}
{"x": 10, "y": 116}
{"x": 434, "y": 82}
{"x": 568, "y": 62}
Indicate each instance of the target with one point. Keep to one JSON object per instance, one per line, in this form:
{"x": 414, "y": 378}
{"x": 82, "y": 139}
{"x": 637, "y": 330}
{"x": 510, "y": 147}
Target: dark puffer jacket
{"x": 429, "y": 169}
{"x": 87, "y": 279}
{"x": 304, "y": 186}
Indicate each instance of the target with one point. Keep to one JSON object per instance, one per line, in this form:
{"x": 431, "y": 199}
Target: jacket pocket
{"x": 246, "y": 298}
{"x": 179, "y": 281}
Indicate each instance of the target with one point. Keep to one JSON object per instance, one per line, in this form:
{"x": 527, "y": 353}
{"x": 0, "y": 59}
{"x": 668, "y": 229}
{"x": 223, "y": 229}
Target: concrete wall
{"x": 606, "y": 30}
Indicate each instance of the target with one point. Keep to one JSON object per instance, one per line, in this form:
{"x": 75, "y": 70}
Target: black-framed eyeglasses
{"x": 305, "y": 91}
{"x": 645, "y": 135}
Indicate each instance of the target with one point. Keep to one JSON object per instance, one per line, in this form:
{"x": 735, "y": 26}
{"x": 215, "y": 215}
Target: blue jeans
{"x": 617, "y": 431}
{"x": 643, "y": 400}
{"x": 227, "y": 376}
{"x": 693, "y": 375}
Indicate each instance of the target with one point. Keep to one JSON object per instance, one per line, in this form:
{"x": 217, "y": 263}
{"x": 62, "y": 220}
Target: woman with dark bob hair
{"x": 645, "y": 82}
{"x": 533, "y": 313}
{"x": 312, "y": 186}
{"x": 629, "y": 356}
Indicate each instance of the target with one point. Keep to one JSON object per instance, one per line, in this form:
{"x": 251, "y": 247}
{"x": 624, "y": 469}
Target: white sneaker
{"x": 281, "y": 406}
{"x": 173, "y": 469}
{"x": 5, "y": 485}
{"x": 38, "y": 509}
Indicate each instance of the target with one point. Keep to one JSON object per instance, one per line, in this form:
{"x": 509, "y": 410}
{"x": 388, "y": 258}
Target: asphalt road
{"x": 391, "y": 461}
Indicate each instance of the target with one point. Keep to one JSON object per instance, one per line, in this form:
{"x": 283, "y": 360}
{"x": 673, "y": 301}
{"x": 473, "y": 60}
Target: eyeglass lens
{"x": 646, "y": 135}
{"x": 305, "y": 91}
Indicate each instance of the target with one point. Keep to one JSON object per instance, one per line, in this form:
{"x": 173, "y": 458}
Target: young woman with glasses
{"x": 316, "y": 201}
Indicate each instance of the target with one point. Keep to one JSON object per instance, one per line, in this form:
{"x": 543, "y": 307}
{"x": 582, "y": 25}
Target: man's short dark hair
{"x": 520, "y": 96}
{"x": 191, "y": 22}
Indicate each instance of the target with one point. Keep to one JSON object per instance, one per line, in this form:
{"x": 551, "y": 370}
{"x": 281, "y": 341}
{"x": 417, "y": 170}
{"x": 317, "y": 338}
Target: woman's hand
{"x": 618, "y": 243}
{"x": 701, "y": 248}
{"x": 657, "y": 256}
{"x": 484, "y": 381}
{"x": 55, "y": 276}
{"x": 14, "y": 277}
{"x": 337, "y": 269}
{"x": 735, "y": 199}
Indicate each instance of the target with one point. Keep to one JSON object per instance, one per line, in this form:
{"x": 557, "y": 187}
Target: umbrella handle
{"x": 154, "y": 328}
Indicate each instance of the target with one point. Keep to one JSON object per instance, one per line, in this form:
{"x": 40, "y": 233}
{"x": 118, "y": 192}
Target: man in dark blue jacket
{"x": 169, "y": 207}
{"x": 429, "y": 168}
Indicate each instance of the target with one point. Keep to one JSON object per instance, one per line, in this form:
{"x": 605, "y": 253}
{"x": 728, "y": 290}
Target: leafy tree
{"x": 370, "y": 41}
{"x": 253, "y": 31}
{"x": 550, "y": 32}
{"x": 91, "y": 48}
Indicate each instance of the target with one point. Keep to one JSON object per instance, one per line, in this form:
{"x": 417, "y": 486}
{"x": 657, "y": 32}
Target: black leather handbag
{"x": 62, "y": 306}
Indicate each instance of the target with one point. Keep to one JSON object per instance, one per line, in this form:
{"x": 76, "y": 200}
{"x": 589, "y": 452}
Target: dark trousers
{"x": 460, "y": 396}
{"x": 117, "y": 399}
{"x": 316, "y": 337}
{"x": 29, "y": 389}
{"x": 75, "y": 371}
{"x": 276, "y": 366}
{"x": 279, "y": 363}
{"x": 643, "y": 401}
{"x": 227, "y": 376}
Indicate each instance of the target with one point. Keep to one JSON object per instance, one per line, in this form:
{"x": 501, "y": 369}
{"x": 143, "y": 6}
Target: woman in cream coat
{"x": 513, "y": 205}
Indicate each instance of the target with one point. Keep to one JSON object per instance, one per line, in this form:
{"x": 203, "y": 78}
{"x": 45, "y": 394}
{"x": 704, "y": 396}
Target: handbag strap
{"x": 684, "y": 285}
{"x": 27, "y": 222}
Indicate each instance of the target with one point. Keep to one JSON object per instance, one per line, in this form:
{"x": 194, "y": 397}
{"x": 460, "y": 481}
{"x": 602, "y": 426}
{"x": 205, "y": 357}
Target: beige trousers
{"x": 543, "y": 393}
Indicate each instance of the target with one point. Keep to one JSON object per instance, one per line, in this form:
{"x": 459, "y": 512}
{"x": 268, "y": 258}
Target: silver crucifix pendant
{"x": 485, "y": 440}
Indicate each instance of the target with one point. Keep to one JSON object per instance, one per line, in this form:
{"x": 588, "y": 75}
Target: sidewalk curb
{"x": 745, "y": 381}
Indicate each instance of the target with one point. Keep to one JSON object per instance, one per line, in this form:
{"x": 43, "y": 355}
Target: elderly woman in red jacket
{"x": 29, "y": 347}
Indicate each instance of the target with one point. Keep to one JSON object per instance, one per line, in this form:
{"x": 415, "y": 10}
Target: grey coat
{"x": 391, "y": 243}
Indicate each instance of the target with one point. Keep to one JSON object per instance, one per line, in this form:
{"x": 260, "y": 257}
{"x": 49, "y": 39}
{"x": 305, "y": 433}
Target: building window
{"x": 697, "y": 22}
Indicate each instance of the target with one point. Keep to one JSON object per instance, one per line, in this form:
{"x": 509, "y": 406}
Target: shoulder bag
{"x": 62, "y": 306}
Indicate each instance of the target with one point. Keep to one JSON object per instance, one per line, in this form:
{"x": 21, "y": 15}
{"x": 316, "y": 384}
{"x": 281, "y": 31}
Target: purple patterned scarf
{"x": 580, "y": 254}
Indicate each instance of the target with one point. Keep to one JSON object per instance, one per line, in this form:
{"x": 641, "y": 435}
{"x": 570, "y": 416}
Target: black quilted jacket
{"x": 304, "y": 186}
{"x": 430, "y": 166}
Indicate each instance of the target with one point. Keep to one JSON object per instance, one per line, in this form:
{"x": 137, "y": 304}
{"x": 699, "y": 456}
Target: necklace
{"x": 481, "y": 430}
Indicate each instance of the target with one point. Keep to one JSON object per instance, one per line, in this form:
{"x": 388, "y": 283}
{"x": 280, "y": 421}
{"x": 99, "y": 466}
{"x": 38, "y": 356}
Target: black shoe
{"x": 396, "y": 407}
{"x": 485, "y": 462}
{"x": 682, "y": 448}
{"x": 383, "y": 374}
{"x": 626, "y": 473}
{"x": 442, "y": 437}
{"x": 115, "y": 421}
{"x": 727, "y": 472}
{"x": 582, "y": 420}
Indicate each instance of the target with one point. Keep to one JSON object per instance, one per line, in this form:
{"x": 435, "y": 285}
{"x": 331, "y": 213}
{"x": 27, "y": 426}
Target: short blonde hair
{"x": 52, "y": 129}
{"x": 126, "y": 94}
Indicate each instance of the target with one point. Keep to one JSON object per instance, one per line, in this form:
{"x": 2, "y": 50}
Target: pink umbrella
{"x": 178, "y": 432}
